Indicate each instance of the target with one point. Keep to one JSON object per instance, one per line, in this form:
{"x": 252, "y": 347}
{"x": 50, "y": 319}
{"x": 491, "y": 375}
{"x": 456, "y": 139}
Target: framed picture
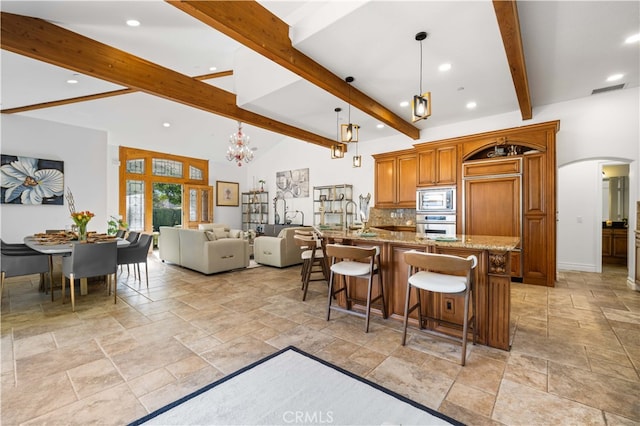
{"x": 31, "y": 181}
{"x": 227, "y": 193}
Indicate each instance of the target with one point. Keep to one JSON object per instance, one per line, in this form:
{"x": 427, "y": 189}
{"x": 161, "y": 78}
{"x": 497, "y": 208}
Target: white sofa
{"x": 280, "y": 251}
{"x": 213, "y": 248}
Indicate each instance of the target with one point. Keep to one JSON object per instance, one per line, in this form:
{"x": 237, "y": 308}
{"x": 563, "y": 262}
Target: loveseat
{"x": 210, "y": 249}
{"x": 280, "y": 251}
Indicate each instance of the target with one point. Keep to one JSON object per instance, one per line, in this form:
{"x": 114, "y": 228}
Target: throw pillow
{"x": 211, "y": 236}
{"x": 235, "y": 233}
{"x": 221, "y": 233}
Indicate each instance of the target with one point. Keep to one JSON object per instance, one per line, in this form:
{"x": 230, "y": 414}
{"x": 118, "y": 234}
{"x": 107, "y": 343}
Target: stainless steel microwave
{"x": 441, "y": 199}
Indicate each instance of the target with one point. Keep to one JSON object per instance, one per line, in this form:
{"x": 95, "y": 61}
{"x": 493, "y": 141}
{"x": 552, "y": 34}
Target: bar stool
{"x": 313, "y": 258}
{"x": 352, "y": 265}
{"x": 454, "y": 276}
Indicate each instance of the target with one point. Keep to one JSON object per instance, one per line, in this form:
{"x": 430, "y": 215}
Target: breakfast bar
{"x": 492, "y": 281}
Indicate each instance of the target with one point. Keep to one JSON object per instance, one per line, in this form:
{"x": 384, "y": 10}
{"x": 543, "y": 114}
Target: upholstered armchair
{"x": 280, "y": 251}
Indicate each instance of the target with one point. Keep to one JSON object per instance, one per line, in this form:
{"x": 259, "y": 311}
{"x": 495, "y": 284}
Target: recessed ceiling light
{"x": 633, "y": 39}
{"x": 615, "y": 77}
{"x": 166, "y": 124}
{"x": 444, "y": 67}
{"x": 380, "y": 126}
{"x": 471, "y": 105}
{"x": 213, "y": 68}
{"x": 404, "y": 104}
{"x": 72, "y": 81}
{"x": 133, "y": 23}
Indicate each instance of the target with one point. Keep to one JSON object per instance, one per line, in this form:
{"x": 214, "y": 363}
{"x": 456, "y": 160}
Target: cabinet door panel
{"x": 492, "y": 206}
{"x": 406, "y": 181}
{"x": 535, "y": 243}
{"x": 385, "y": 185}
{"x": 534, "y": 172}
{"x": 427, "y": 167}
{"x": 447, "y": 162}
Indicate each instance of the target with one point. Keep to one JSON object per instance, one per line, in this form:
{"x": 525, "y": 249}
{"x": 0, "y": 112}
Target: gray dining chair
{"x": 136, "y": 254}
{"x": 90, "y": 260}
{"x": 18, "y": 261}
{"x": 120, "y": 233}
{"x": 133, "y": 236}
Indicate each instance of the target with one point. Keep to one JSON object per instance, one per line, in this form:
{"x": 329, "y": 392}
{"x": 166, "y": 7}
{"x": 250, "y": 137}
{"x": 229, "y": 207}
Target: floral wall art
{"x": 31, "y": 181}
{"x": 293, "y": 183}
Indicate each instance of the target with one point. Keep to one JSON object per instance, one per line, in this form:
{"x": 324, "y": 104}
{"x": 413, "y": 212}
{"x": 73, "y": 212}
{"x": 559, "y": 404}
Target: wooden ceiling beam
{"x": 509, "y": 23}
{"x": 95, "y": 96}
{"x": 252, "y": 25}
{"x": 43, "y": 41}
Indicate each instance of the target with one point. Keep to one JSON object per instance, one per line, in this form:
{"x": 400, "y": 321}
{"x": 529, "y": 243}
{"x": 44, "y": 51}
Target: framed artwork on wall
{"x": 227, "y": 193}
{"x": 292, "y": 183}
{"x": 31, "y": 181}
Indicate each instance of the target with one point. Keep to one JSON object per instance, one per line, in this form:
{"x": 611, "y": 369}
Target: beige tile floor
{"x": 575, "y": 357}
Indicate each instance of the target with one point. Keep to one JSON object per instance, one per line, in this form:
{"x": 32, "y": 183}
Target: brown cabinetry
{"x": 493, "y": 201}
{"x": 438, "y": 166}
{"x": 614, "y": 246}
{"x": 395, "y": 179}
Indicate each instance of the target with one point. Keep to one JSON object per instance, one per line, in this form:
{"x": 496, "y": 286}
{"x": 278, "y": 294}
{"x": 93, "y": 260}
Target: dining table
{"x": 61, "y": 244}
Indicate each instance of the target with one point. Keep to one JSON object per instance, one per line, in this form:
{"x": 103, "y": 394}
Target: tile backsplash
{"x": 396, "y": 217}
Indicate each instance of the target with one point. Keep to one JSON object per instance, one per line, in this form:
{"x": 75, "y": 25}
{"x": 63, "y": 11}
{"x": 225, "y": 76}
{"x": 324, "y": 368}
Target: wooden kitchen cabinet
{"x": 614, "y": 246}
{"x": 395, "y": 179}
{"x": 438, "y": 166}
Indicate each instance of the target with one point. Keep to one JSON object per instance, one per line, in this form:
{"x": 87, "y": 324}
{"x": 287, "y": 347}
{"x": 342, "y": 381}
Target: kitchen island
{"x": 492, "y": 280}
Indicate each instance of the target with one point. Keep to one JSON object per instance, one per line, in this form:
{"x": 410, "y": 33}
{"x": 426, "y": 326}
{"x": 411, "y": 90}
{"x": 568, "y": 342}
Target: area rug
{"x": 293, "y": 387}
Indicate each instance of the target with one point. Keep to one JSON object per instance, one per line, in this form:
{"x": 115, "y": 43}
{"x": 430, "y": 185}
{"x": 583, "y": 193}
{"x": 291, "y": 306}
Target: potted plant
{"x": 262, "y": 182}
{"x": 114, "y": 224}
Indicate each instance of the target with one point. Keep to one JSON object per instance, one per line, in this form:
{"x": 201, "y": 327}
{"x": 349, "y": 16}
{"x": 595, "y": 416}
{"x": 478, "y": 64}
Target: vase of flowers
{"x": 81, "y": 219}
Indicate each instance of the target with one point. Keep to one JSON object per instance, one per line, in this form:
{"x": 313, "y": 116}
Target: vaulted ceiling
{"x": 281, "y": 65}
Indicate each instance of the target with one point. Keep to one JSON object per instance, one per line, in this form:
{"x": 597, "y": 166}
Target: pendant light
{"x": 337, "y": 149}
{"x": 349, "y": 131}
{"x": 421, "y": 105}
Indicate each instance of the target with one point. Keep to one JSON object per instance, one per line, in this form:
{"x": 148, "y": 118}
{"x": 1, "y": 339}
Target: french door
{"x": 143, "y": 172}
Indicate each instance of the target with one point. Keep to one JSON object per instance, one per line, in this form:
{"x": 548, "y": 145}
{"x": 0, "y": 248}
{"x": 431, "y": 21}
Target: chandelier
{"x": 239, "y": 150}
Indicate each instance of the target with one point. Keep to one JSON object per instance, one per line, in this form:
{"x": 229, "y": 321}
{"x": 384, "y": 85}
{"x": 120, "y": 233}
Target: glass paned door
{"x": 168, "y": 199}
{"x": 135, "y": 204}
{"x": 198, "y": 206}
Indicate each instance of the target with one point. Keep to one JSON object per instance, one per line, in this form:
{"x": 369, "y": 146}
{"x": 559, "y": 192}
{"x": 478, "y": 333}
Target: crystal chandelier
{"x": 239, "y": 150}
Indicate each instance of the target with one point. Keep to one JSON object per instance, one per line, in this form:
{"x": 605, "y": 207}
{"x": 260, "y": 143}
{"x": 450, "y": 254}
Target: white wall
{"x": 83, "y": 152}
{"x": 601, "y": 127}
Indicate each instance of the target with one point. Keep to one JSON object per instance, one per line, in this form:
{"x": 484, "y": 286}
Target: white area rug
{"x": 293, "y": 387}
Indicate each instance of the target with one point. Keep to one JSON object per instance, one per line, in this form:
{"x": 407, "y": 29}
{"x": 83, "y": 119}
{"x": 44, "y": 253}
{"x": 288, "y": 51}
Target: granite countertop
{"x": 483, "y": 242}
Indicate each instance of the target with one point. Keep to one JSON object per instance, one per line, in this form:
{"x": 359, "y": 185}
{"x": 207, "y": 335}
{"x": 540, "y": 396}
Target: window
{"x": 143, "y": 172}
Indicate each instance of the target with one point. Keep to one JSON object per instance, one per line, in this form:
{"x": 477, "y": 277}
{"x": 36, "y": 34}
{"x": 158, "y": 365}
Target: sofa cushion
{"x": 221, "y": 233}
{"x": 211, "y": 236}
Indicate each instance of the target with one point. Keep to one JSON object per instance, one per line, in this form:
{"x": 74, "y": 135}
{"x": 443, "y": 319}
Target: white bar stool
{"x": 454, "y": 276}
{"x": 352, "y": 265}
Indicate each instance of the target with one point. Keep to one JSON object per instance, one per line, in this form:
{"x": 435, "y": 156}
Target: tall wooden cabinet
{"x": 395, "y": 179}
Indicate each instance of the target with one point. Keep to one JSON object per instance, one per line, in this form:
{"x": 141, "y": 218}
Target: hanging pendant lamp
{"x": 349, "y": 132}
{"x": 421, "y": 105}
{"x": 337, "y": 149}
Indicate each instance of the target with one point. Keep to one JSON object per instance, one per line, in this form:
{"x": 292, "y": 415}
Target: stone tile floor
{"x": 575, "y": 357}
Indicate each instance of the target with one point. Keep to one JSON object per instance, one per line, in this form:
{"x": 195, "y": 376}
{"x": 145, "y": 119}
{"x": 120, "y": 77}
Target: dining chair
{"x": 360, "y": 263}
{"x": 120, "y": 233}
{"x": 440, "y": 273}
{"x": 90, "y": 260}
{"x": 136, "y": 254}
{"x": 133, "y": 236}
{"x": 17, "y": 261}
